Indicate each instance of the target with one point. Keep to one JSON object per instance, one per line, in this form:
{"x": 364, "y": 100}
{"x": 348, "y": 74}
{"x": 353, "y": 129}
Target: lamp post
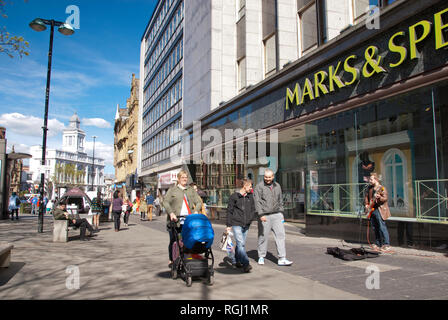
{"x": 93, "y": 162}
{"x": 64, "y": 28}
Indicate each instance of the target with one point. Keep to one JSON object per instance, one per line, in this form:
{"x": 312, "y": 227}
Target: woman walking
{"x": 117, "y": 202}
{"x": 127, "y": 208}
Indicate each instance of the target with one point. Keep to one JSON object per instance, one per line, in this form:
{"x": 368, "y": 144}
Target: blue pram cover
{"x": 197, "y": 228}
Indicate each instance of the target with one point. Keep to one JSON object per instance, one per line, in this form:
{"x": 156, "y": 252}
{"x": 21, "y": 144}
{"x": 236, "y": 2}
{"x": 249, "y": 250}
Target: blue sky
{"x": 91, "y": 70}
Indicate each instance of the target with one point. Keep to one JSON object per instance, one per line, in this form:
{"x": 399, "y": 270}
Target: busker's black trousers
{"x": 82, "y": 224}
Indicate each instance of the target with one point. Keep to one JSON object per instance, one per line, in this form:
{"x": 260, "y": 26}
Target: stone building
{"x": 125, "y": 141}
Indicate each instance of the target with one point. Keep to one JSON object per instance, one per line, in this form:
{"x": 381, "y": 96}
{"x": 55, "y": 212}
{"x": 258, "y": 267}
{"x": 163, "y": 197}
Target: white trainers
{"x": 284, "y": 262}
{"x": 261, "y": 261}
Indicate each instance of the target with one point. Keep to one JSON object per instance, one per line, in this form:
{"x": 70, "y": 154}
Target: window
{"x": 269, "y": 35}
{"x": 269, "y": 55}
{"x": 394, "y": 171}
{"x": 308, "y": 24}
{"x": 242, "y": 74}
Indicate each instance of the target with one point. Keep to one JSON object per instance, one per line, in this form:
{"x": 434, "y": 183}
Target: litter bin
{"x": 104, "y": 217}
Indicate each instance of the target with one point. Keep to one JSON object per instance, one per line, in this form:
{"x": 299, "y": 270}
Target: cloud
{"x": 96, "y": 122}
{"x": 102, "y": 151}
{"x": 29, "y": 125}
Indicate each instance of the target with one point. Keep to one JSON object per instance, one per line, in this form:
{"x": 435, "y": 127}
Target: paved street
{"x": 132, "y": 264}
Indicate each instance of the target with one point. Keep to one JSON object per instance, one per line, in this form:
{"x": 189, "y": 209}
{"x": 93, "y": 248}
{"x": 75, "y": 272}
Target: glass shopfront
{"x": 403, "y": 139}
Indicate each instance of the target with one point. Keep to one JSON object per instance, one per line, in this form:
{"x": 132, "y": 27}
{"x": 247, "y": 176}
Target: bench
{"x": 5, "y": 254}
{"x": 60, "y": 230}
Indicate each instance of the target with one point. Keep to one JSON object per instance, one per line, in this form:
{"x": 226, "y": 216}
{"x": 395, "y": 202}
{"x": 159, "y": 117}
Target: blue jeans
{"x": 240, "y": 234}
{"x": 380, "y": 229}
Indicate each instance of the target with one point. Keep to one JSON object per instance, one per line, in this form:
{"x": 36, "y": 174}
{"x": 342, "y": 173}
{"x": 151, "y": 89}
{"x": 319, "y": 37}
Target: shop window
{"x": 394, "y": 166}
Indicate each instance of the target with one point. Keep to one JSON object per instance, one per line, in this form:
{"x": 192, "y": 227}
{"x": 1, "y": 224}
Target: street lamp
{"x": 67, "y": 30}
{"x": 93, "y": 163}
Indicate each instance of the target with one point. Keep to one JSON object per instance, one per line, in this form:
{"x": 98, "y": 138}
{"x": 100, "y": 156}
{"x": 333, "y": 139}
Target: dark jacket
{"x": 116, "y": 204}
{"x": 240, "y": 210}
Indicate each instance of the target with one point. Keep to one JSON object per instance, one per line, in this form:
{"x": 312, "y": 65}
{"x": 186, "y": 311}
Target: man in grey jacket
{"x": 269, "y": 206}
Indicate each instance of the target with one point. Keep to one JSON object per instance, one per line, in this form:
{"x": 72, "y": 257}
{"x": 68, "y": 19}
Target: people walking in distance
{"x": 269, "y": 206}
{"x": 34, "y": 201}
{"x": 180, "y": 201}
{"x": 149, "y": 205}
{"x": 144, "y": 209}
{"x": 117, "y": 202}
{"x": 60, "y": 213}
{"x": 375, "y": 202}
{"x": 14, "y": 205}
{"x": 240, "y": 213}
{"x": 203, "y": 209}
{"x": 157, "y": 206}
{"x": 97, "y": 209}
{"x": 126, "y": 209}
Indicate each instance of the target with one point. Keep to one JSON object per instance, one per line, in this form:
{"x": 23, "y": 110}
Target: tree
{"x": 9, "y": 44}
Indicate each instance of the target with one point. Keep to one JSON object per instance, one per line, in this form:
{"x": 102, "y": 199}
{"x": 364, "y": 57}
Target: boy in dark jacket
{"x": 240, "y": 213}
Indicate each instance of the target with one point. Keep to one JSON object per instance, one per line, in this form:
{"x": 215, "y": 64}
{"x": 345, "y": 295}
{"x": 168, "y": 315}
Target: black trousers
{"x": 126, "y": 217}
{"x": 82, "y": 224}
{"x": 117, "y": 216}
{"x": 17, "y": 214}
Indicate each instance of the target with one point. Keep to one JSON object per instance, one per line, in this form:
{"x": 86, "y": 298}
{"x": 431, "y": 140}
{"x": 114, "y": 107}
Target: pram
{"x": 192, "y": 250}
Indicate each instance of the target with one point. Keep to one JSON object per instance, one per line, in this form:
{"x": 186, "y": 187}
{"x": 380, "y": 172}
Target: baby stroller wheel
{"x": 174, "y": 274}
{"x": 189, "y": 281}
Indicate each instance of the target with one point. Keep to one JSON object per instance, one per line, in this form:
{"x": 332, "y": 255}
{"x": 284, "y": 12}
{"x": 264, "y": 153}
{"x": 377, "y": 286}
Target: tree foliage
{"x": 10, "y": 44}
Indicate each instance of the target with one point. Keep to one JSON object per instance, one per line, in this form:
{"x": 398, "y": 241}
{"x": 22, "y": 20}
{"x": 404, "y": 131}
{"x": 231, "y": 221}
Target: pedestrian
{"x": 240, "y": 213}
{"x": 60, "y": 213}
{"x": 180, "y": 201}
{"x": 150, "y": 205}
{"x": 203, "y": 209}
{"x": 269, "y": 206}
{"x": 14, "y": 205}
{"x": 144, "y": 210}
{"x": 375, "y": 201}
{"x": 126, "y": 210}
{"x": 117, "y": 202}
{"x": 34, "y": 201}
{"x": 97, "y": 209}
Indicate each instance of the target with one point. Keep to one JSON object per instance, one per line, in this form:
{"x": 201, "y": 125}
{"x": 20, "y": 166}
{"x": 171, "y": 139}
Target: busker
{"x": 269, "y": 206}
{"x": 240, "y": 213}
{"x": 375, "y": 202}
{"x": 60, "y": 213}
{"x": 180, "y": 201}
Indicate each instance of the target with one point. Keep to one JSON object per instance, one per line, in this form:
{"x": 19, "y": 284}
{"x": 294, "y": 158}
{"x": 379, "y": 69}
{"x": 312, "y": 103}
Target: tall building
{"x": 125, "y": 138}
{"x": 71, "y": 165}
{"x": 196, "y": 56}
{"x": 161, "y": 93}
{"x": 336, "y": 85}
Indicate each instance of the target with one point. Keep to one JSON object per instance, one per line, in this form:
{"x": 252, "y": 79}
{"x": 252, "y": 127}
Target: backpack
{"x": 352, "y": 254}
{"x": 17, "y": 201}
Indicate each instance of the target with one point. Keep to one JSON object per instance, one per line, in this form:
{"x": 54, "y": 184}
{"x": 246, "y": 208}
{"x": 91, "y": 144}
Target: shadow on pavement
{"x": 253, "y": 254}
{"x": 6, "y": 274}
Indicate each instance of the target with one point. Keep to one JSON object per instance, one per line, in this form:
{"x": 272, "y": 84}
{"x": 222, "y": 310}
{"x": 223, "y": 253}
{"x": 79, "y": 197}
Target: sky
{"x": 91, "y": 70}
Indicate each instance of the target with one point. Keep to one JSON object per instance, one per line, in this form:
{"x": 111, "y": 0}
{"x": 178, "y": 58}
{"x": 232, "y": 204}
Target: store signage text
{"x": 327, "y": 81}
